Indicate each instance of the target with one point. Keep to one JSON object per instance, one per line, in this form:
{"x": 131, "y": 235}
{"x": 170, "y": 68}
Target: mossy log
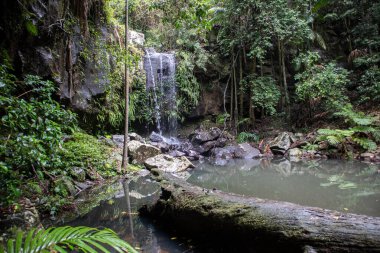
{"x": 257, "y": 223}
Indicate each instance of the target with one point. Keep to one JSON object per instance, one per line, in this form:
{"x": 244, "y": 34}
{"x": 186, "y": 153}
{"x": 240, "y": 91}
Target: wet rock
{"x": 155, "y": 137}
{"x": 201, "y": 136}
{"x": 246, "y": 151}
{"x": 79, "y": 174}
{"x": 135, "y": 137}
{"x": 223, "y": 153}
{"x": 164, "y": 147}
{"x": 193, "y": 155}
{"x": 206, "y": 147}
{"x": 168, "y": 163}
{"x": 119, "y": 139}
{"x": 282, "y": 143}
{"x": 139, "y": 152}
{"x": 176, "y": 153}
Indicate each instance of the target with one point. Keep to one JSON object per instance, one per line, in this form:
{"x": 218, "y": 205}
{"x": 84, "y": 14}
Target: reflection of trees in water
{"x": 121, "y": 215}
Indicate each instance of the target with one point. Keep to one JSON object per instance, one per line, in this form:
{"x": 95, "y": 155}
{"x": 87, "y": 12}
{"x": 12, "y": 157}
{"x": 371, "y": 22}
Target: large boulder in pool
{"x": 140, "y": 151}
{"x": 282, "y": 143}
{"x": 168, "y": 163}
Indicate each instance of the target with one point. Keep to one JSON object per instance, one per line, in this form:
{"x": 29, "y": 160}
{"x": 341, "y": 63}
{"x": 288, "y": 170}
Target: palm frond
{"x": 64, "y": 239}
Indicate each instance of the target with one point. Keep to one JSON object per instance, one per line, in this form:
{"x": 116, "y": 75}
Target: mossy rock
{"x": 64, "y": 186}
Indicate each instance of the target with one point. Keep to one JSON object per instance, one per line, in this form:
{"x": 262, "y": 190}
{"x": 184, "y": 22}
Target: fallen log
{"x": 254, "y": 223}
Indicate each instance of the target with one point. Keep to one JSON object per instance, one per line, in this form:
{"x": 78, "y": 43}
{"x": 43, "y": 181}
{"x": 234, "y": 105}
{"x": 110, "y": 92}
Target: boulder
{"x": 119, "y": 139}
{"x": 295, "y": 152}
{"x": 223, "y": 153}
{"x": 168, "y": 163}
{"x": 206, "y": 147}
{"x": 139, "y": 152}
{"x": 155, "y": 137}
{"x": 246, "y": 151}
{"x": 176, "y": 153}
{"x": 135, "y": 137}
{"x": 282, "y": 143}
{"x": 202, "y": 136}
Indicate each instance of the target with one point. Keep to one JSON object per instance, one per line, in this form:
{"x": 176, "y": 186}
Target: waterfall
{"x": 160, "y": 80}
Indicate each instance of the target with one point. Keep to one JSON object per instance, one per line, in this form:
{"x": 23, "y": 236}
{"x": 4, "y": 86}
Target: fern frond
{"x": 326, "y": 131}
{"x": 61, "y": 239}
{"x": 333, "y": 140}
{"x": 365, "y": 143}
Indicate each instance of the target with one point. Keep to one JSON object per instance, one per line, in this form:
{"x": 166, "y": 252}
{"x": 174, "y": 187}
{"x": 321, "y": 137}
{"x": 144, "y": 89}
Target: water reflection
{"x": 346, "y": 186}
{"x": 121, "y": 215}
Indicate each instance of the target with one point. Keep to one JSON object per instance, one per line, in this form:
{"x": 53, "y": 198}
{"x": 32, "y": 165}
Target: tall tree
{"x": 126, "y": 86}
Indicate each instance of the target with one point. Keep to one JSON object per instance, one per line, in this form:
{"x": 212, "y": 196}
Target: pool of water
{"x": 120, "y": 214}
{"x": 345, "y": 186}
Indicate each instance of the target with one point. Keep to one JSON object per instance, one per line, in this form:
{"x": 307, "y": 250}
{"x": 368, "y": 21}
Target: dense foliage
{"x": 37, "y": 144}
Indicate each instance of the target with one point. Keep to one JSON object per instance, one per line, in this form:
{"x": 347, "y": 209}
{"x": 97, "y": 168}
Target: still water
{"x": 345, "y": 186}
{"x": 120, "y": 214}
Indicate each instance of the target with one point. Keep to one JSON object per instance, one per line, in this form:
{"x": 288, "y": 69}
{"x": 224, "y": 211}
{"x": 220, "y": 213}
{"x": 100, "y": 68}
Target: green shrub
{"x": 323, "y": 82}
{"x": 247, "y": 137}
{"x": 85, "y": 151}
{"x": 369, "y": 88}
{"x": 32, "y": 130}
{"x": 265, "y": 93}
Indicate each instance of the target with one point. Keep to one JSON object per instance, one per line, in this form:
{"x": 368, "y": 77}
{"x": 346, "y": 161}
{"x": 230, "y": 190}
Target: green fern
{"x": 66, "y": 239}
{"x": 365, "y": 143}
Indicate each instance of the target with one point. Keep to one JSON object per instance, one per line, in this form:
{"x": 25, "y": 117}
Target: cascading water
{"x": 160, "y": 79}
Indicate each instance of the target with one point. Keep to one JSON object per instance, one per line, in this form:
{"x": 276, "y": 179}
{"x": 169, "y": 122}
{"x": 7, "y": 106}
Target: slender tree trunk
{"x": 236, "y": 112}
{"x": 287, "y": 101}
{"x": 280, "y": 70}
{"x": 126, "y": 91}
{"x": 232, "y": 92}
{"x": 241, "y": 87}
{"x": 251, "y": 108}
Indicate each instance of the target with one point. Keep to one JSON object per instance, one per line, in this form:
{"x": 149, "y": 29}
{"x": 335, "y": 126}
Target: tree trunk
{"x": 126, "y": 91}
{"x": 236, "y": 112}
{"x": 251, "y": 108}
{"x": 232, "y": 91}
{"x": 241, "y": 87}
{"x": 283, "y": 74}
{"x": 252, "y": 223}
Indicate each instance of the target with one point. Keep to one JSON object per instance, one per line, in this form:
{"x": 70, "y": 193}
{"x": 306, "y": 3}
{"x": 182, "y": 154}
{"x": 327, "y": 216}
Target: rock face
{"x": 56, "y": 45}
{"x": 282, "y": 143}
{"x": 140, "y": 151}
{"x": 168, "y": 163}
{"x": 211, "y": 102}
